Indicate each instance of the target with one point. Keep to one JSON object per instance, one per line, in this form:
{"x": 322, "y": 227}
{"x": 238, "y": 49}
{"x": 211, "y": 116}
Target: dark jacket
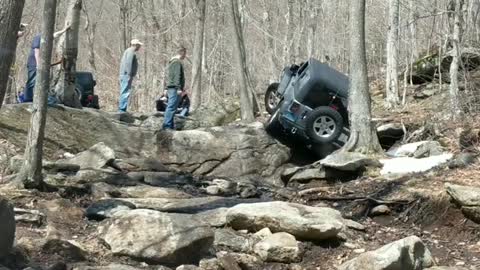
{"x": 175, "y": 74}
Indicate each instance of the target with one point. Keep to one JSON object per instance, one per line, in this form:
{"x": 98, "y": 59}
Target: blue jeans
{"x": 125, "y": 86}
{"x": 30, "y": 85}
{"x": 184, "y": 112}
{"x": 173, "y": 99}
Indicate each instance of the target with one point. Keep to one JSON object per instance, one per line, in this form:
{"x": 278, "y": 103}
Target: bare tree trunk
{"x": 200, "y": 7}
{"x": 392, "y": 99}
{"x": 240, "y": 55}
{"x": 363, "y": 136}
{"x": 10, "y": 16}
{"x": 91, "y": 30}
{"x": 31, "y": 173}
{"x": 456, "y": 43}
{"x": 312, "y": 28}
{"x": 123, "y": 25}
{"x": 288, "y": 43}
{"x": 65, "y": 87}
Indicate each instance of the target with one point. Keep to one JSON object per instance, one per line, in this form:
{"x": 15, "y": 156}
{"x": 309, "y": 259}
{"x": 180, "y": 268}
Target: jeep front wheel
{"x": 271, "y": 99}
{"x": 324, "y": 125}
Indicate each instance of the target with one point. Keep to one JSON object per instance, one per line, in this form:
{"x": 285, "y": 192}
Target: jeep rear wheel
{"x": 271, "y": 99}
{"x": 324, "y": 125}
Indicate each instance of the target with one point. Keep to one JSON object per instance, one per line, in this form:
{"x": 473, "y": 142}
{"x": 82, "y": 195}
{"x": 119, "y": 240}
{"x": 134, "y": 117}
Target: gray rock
{"x": 107, "y": 208}
{"x": 15, "y": 163}
{"x": 7, "y": 227}
{"x": 245, "y": 261}
{"x": 162, "y": 179}
{"x": 222, "y": 187}
{"x": 447, "y": 268}
{"x": 171, "y": 239}
{"x": 210, "y": 264}
{"x": 188, "y": 267}
{"x": 101, "y": 175}
{"x": 214, "y": 218}
{"x": 125, "y": 117}
{"x": 33, "y": 217}
{"x": 308, "y": 175}
{"x": 350, "y": 162}
{"x": 68, "y": 251}
{"x": 146, "y": 191}
{"x": 380, "y": 210}
{"x": 304, "y": 222}
{"x": 97, "y": 157}
{"x": 190, "y": 205}
{"x": 406, "y": 254}
{"x": 462, "y": 160}
{"x": 108, "y": 267}
{"x": 278, "y": 247}
{"x": 229, "y": 240}
{"x": 464, "y": 195}
{"x": 389, "y": 131}
{"x": 428, "y": 149}
{"x": 141, "y": 165}
{"x": 409, "y": 165}
{"x": 60, "y": 166}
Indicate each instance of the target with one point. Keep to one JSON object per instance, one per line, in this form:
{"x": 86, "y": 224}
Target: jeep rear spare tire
{"x": 324, "y": 125}
{"x": 271, "y": 99}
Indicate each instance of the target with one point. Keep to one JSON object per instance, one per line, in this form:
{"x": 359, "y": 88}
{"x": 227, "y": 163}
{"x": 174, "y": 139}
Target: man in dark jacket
{"x": 175, "y": 82}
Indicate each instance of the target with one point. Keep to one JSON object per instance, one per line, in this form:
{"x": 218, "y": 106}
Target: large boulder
{"x": 7, "y": 227}
{"x": 172, "y": 239}
{"x": 406, "y": 254}
{"x": 304, "y": 222}
{"x": 231, "y": 151}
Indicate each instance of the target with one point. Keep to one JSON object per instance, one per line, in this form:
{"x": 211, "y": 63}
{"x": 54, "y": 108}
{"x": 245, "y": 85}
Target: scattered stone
{"x": 214, "y": 218}
{"x": 222, "y": 187}
{"x": 278, "y": 247}
{"x": 246, "y": 190}
{"x": 163, "y": 179}
{"x": 464, "y": 195}
{"x": 308, "y": 175}
{"x": 210, "y": 264}
{"x": 406, "y": 165}
{"x": 245, "y": 261}
{"x": 229, "y": 240}
{"x": 263, "y": 233}
{"x": 380, "y": 210}
{"x": 389, "y": 131}
{"x": 7, "y": 227}
{"x": 447, "y": 268}
{"x": 406, "y": 254}
{"x": 190, "y": 206}
{"x": 102, "y": 175}
{"x": 141, "y": 165}
{"x": 146, "y": 191}
{"x": 60, "y": 167}
{"x": 97, "y": 157}
{"x": 304, "y": 222}
{"x": 462, "y": 160}
{"x": 107, "y": 208}
{"x": 188, "y": 267}
{"x": 110, "y": 267}
{"x": 34, "y": 217}
{"x": 350, "y": 162}
{"x": 417, "y": 149}
{"x": 172, "y": 239}
{"x": 354, "y": 225}
{"x": 66, "y": 250}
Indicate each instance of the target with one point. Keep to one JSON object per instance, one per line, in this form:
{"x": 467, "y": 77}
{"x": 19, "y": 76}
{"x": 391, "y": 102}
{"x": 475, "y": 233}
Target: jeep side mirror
{"x": 94, "y": 83}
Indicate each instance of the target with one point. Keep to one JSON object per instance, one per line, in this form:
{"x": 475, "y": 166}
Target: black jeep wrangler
{"x": 310, "y": 103}
{"x": 85, "y": 87}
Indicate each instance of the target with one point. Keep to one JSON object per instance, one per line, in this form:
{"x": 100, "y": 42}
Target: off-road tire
{"x": 317, "y": 131}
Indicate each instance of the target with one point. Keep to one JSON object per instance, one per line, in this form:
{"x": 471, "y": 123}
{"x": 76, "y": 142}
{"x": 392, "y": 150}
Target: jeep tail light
{"x": 295, "y": 108}
{"x": 333, "y": 106}
{"x": 90, "y": 98}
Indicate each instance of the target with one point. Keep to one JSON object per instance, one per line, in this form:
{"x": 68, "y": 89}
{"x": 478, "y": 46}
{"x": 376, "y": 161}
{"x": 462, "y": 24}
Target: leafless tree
{"x": 364, "y": 137}
{"x": 457, "y": 52}
{"x": 242, "y": 71}
{"x": 392, "y": 99}
{"x": 10, "y": 17}
{"x": 200, "y": 7}
{"x": 31, "y": 172}
{"x": 68, "y": 50}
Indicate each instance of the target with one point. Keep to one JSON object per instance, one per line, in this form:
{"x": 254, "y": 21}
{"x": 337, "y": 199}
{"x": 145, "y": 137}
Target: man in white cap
{"x": 128, "y": 70}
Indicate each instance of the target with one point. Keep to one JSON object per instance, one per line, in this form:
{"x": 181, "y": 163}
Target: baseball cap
{"x": 136, "y": 42}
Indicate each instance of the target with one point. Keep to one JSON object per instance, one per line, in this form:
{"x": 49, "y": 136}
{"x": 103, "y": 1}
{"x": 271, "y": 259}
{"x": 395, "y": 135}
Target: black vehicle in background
{"x": 85, "y": 86}
{"x": 310, "y": 103}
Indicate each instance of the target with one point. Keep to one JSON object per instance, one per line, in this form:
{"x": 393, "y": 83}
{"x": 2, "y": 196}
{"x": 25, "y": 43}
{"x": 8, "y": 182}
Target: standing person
{"x": 128, "y": 71}
{"x": 175, "y": 82}
{"x": 33, "y": 61}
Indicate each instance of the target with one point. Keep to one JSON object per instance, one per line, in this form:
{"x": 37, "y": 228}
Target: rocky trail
{"x": 130, "y": 197}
